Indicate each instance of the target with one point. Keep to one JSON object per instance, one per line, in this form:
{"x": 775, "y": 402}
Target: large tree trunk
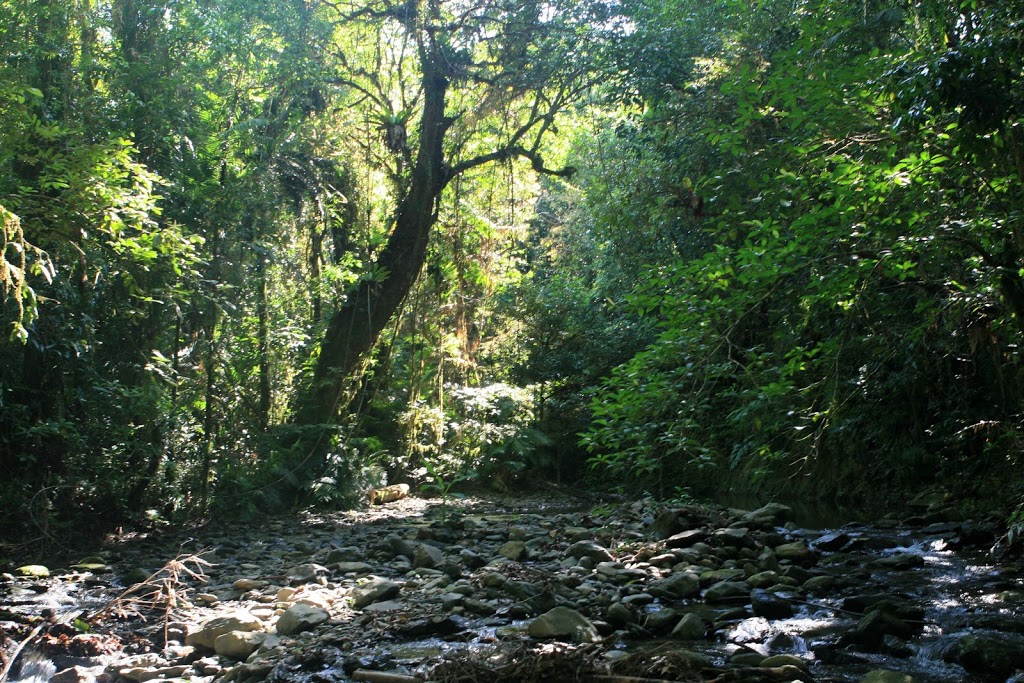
{"x": 355, "y": 327}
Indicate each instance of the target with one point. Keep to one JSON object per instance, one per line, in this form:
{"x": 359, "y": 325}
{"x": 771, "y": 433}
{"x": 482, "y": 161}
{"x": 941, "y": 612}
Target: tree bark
{"x": 356, "y": 326}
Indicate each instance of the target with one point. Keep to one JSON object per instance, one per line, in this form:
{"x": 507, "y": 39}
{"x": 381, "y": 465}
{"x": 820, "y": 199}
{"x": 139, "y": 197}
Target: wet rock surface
{"x": 523, "y": 589}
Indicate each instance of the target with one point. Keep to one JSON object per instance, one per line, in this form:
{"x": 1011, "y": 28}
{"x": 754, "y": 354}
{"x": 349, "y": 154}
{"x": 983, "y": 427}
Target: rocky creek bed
{"x": 527, "y": 589}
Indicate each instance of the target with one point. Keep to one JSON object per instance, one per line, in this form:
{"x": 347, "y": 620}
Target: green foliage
{"x": 848, "y": 254}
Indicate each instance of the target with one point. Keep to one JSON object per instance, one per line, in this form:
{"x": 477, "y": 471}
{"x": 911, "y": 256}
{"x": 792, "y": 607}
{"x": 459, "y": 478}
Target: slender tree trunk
{"x": 263, "y": 341}
{"x": 356, "y": 326}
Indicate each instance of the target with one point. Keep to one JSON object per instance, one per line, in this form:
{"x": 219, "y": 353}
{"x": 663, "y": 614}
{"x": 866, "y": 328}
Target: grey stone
{"x": 300, "y": 617}
{"x": 563, "y": 622}
{"x": 769, "y": 606}
{"x": 676, "y": 585}
{"x": 514, "y": 550}
{"x": 591, "y": 549}
{"x": 427, "y": 555}
{"x": 899, "y": 561}
{"x": 832, "y": 541}
{"x": 690, "y": 627}
{"x": 238, "y": 644}
{"x": 775, "y": 514}
{"x": 662, "y": 619}
{"x": 305, "y": 573}
{"x": 796, "y": 552}
{"x": 620, "y": 614}
{"x": 686, "y": 539}
{"x": 737, "y": 538}
{"x": 208, "y": 632}
{"x": 996, "y": 656}
{"x": 728, "y": 592}
{"x": 374, "y": 589}
{"x": 763, "y": 579}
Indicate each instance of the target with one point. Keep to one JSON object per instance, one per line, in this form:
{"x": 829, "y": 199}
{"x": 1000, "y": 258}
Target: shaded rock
{"x": 716, "y": 575}
{"x": 300, "y": 617}
{"x": 797, "y": 552}
{"x": 353, "y": 567}
{"x": 871, "y": 630}
{"x": 784, "y": 660}
{"x": 376, "y": 588}
{"x": 988, "y": 655}
{"x": 471, "y": 559}
{"x": 763, "y": 579}
{"x": 432, "y": 626}
{"x": 402, "y": 546}
{"x": 238, "y": 644}
{"x": 727, "y": 591}
{"x": 620, "y": 614}
{"x": 690, "y": 627}
{"x": 662, "y": 619}
{"x": 563, "y": 622}
{"x": 514, "y": 550}
{"x": 738, "y": 537}
{"x": 797, "y": 573}
{"x": 666, "y": 524}
{"x": 775, "y": 514}
{"x": 427, "y": 555}
{"x": 832, "y": 541}
{"x": 386, "y": 606}
{"x": 210, "y": 630}
{"x": 886, "y": 676}
{"x": 305, "y": 573}
{"x": 769, "y": 605}
{"x": 481, "y": 607}
{"x": 819, "y": 584}
{"x": 899, "y": 561}
{"x": 676, "y": 585}
{"x": 591, "y": 549}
